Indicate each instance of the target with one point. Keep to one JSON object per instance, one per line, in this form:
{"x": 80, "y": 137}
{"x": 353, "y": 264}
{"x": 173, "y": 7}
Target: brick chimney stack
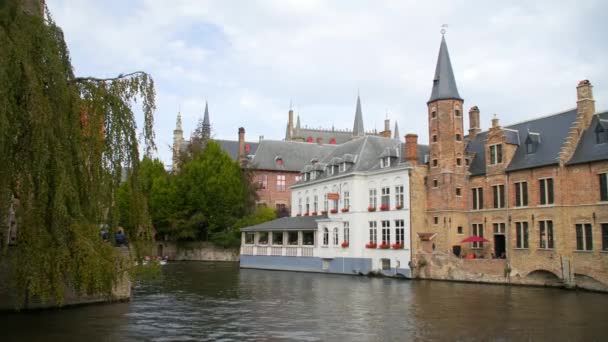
{"x": 241, "y": 144}
{"x": 495, "y": 123}
{"x": 411, "y": 148}
{"x": 474, "y": 122}
{"x": 585, "y": 104}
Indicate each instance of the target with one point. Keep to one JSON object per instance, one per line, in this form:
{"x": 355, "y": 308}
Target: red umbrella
{"x": 475, "y": 239}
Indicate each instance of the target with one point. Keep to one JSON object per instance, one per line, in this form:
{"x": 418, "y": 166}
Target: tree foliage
{"x": 64, "y": 141}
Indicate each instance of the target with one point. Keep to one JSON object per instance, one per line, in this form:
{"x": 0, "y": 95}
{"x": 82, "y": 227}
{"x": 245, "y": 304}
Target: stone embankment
{"x": 194, "y": 251}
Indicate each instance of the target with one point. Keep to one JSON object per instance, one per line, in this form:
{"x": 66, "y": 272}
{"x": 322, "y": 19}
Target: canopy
{"x": 475, "y": 239}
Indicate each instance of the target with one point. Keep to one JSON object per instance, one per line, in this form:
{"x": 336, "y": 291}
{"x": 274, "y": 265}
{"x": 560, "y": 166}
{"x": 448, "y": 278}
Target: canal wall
{"x": 193, "y": 251}
{"x": 120, "y": 292}
{"x": 445, "y": 266}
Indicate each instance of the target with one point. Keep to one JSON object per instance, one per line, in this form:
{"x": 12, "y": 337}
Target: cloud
{"x": 249, "y": 59}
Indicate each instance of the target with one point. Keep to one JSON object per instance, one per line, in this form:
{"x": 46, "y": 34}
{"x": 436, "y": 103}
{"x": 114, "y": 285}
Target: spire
{"x": 206, "y": 119}
{"x": 444, "y": 84}
{"x": 397, "y": 136}
{"x": 206, "y": 124}
{"x": 178, "y": 124}
{"x": 298, "y": 124}
{"x": 358, "y": 130}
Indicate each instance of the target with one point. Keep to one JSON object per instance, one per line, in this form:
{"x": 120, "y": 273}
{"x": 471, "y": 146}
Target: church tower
{"x": 178, "y": 140}
{"x": 446, "y": 177}
{"x": 206, "y": 131}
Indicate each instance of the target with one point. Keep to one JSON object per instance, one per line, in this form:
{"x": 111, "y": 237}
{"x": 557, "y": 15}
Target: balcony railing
{"x": 292, "y": 251}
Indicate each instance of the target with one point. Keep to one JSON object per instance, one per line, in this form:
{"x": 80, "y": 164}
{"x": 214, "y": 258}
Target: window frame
{"x": 477, "y": 230}
{"x": 546, "y": 237}
{"x": 496, "y": 156}
{"x": 546, "y": 191}
{"x": 522, "y": 235}
{"x": 399, "y": 196}
{"x": 400, "y": 231}
{"x": 373, "y": 234}
{"x": 521, "y": 194}
{"x": 477, "y": 197}
{"x": 386, "y": 232}
{"x": 498, "y": 194}
{"x": 584, "y": 237}
{"x": 603, "y": 178}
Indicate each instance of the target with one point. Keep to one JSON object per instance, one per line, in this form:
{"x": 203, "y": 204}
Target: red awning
{"x": 475, "y": 239}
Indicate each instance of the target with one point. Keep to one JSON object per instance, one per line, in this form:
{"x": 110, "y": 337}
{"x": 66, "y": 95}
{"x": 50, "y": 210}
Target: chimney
{"x": 473, "y": 122}
{"x": 387, "y": 124}
{"x": 261, "y": 138}
{"x": 241, "y": 144}
{"x": 411, "y": 148}
{"x": 495, "y": 121}
{"x": 585, "y": 104}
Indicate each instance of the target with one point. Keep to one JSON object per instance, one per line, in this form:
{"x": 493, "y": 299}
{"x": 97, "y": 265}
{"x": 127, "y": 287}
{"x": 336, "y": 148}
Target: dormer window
{"x": 343, "y": 167}
{"x": 385, "y": 162}
{"x": 313, "y": 175}
{"x": 601, "y": 133}
{"x": 279, "y": 161}
{"x": 495, "y": 154}
{"x": 532, "y": 142}
{"x": 530, "y": 147}
{"x": 306, "y": 176}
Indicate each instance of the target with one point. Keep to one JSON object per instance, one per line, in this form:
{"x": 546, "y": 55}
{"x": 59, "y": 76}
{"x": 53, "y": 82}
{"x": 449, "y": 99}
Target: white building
{"x": 350, "y": 214}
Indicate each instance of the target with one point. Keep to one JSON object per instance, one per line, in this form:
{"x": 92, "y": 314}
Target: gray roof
{"x": 444, "y": 83}
{"x": 550, "y": 130}
{"x": 358, "y": 129}
{"x": 325, "y": 135}
{"x": 588, "y": 150}
{"x": 295, "y": 155}
{"x": 232, "y": 147}
{"x": 287, "y": 223}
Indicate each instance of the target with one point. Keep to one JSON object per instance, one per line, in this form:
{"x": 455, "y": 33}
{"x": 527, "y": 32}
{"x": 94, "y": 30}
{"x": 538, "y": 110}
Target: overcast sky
{"x": 249, "y": 59}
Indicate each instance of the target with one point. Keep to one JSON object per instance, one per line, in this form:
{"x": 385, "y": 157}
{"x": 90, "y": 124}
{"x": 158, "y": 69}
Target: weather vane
{"x": 443, "y": 28}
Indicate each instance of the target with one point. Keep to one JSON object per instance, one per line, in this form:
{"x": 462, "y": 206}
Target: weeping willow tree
{"x": 64, "y": 143}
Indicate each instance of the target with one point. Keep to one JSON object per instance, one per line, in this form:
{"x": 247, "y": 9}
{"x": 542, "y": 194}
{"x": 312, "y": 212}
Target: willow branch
{"x": 95, "y": 79}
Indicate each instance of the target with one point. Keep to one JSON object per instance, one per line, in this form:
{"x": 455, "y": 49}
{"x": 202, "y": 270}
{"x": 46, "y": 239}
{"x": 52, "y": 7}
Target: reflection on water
{"x": 212, "y": 301}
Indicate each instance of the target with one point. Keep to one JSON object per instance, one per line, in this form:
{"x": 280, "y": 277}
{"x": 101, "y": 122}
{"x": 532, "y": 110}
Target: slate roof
{"x": 551, "y": 130}
{"x": 444, "y": 83}
{"x": 326, "y": 135}
{"x": 232, "y": 147}
{"x": 588, "y": 150}
{"x": 295, "y": 155}
{"x": 287, "y": 223}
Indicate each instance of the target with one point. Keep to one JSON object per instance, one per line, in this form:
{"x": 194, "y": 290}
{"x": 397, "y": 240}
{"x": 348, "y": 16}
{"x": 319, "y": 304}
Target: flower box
{"x": 334, "y": 211}
{"x": 323, "y": 212}
{"x": 344, "y": 210}
{"x": 314, "y": 213}
{"x": 398, "y": 246}
{"x": 344, "y": 244}
{"x": 370, "y": 245}
{"x": 384, "y": 207}
{"x": 399, "y": 207}
{"x": 306, "y": 214}
{"x": 384, "y": 246}
{"x": 299, "y": 215}
{"x": 371, "y": 208}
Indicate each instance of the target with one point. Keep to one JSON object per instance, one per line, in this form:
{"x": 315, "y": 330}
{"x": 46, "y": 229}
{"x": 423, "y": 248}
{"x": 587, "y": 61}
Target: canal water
{"x": 200, "y": 301}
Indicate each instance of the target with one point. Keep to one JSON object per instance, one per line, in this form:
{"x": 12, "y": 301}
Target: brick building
{"x": 536, "y": 190}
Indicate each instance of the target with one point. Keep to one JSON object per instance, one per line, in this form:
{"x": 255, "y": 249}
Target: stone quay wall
{"x": 193, "y": 251}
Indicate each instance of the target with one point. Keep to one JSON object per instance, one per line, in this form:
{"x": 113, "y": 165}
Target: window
{"x": 546, "y": 191}
{"x": 496, "y": 154}
{"x": 279, "y": 161}
{"x": 335, "y": 204}
{"x": 435, "y": 219}
{"x": 530, "y": 147}
{"x": 458, "y": 192}
{"x": 249, "y": 238}
{"x": 434, "y": 137}
{"x": 435, "y": 163}
{"x": 603, "y": 186}
{"x": 521, "y": 232}
{"x": 299, "y": 206}
{"x": 298, "y": 178}
{"x": 372, "y": 198}
{"x": 343, "y": 167}
{"x": 458, "y": 162}
{"x": 399, "y": 196}
{"x": 600, "y": 135}
{"x": 280, "y": 182}
{"x": 385, "y": 199}
{"x": 477, "y": 198}
{"x": 346, "y": 200}
{"x": 292, "y": 238}
{"x": 385, "y": 162}
{"x": 386, "y": 263}
{"x": 458, "y": 137}
{"x": 499, "y": 196}
{"x": 499, "y": 228}
{"x": 460, "y": 230}
{"x": 457, "y": 112}
{"x": 263, "y": 238}
{"x": 433, "y": 114}
{"x": 478, "y": 231}
{"x": 262, "y": 181}
{"x": 584, "y": 237}
{"x": 521, "y": 194}
{"x": 313, "y": 175}
{"x": 346, "y": 232}
{"x": 435, "y": 183}
{"x": 466, "y": 162}
{"x": 399, "y": 231}
{"x": 325, "y": 236}
{"x": 386, "y": 232}
{"x": 325, "y": 202}
{"x": 373, "y": 237}
{"x": 315, "y": 204}
{"x": 605, "y": 236}
{"x": 308, "y": 238}
{"x": 336, "y": 236}
{"x": 546, "y": 234}
{"x": 307, "y": 205}
{"x": 277, "y": 238}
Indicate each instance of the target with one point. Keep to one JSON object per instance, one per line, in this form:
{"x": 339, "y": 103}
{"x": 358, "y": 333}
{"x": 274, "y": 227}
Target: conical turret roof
{"x": 358, "y": 130}
{"x": 444, "y": 83}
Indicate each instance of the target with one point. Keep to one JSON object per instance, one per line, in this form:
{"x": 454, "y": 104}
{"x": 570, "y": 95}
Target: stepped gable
{"x": 294, "y": 155}
{"x": 588, "y": 150}
{"x": 552, "y": 130}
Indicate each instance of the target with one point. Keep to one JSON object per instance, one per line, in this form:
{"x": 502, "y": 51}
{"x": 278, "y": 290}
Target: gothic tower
{"x": 178, "y": 140}
{"x": 446, "y": 177}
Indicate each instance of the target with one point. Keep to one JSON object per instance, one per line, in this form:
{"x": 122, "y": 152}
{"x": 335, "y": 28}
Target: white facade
{"x": 358, "y": 224}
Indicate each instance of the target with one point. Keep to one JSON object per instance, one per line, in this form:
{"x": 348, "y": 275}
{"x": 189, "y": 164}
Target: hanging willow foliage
{"x": 64, "y": 142}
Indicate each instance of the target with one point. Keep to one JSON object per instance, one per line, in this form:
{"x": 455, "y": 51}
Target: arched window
{"x": 325, "y": 236}
{"x": 335, "y": 236}
{"x": 310, "y": 139}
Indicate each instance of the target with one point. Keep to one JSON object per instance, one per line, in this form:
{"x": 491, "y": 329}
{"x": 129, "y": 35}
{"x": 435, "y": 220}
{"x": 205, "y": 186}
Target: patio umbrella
{"x": 475, "y": 239}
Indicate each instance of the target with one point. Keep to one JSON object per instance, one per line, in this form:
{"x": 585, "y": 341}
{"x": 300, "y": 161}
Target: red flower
{"x": 344, "y": 210}
{"x": 306, "y": 214}
{"x": 384, "y": 246}
{"x": 314, "y": 213}
{"x": 334, "y": 211}
{"x": 399, "y": 207}
{"x": 398, "y": 245}
{"x": 370, "y": 245}
{"x": 323, "y": 212}
{"x": 344, "y": 244}
{"x": 371, "y": 208}
{"x": 384, "y": 207}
